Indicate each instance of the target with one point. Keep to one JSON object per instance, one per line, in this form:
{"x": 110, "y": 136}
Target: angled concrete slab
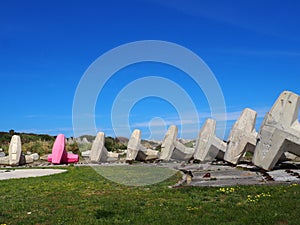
{"x": 98, "y": 150}
{"x": 208, "y": 146}
{"x": 279, "y": 132}
{"x": 168, "y": 143}
{"x": 147, "y": 155}
{"x": 99, "y": 153}
{"x": 181, "y": 152}
{"x": 242, "y": 138}
{"x": 135, "y": 150}
{"x": 133, "y": 145}
{"x": 171, "y": 148}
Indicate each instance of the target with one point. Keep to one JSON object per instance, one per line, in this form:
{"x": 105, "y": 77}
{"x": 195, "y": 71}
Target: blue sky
{"x": 252, "y": 47}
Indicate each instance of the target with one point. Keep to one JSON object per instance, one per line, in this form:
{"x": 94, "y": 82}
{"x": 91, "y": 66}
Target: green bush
{"x": 40, "y": 147}
{"x": 113, "y": 145}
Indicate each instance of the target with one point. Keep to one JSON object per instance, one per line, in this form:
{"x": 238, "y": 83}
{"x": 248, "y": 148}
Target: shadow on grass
{"x": 102, "y": 213}
{"x": 135, "y": 175}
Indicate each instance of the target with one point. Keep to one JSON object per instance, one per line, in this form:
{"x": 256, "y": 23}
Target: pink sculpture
{"x": 59, "y": 154}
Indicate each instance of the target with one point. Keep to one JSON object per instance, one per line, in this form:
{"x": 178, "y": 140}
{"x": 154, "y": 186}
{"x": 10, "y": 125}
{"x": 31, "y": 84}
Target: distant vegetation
{"x": 42, "y": 143}
{"x": 39, "y": 143}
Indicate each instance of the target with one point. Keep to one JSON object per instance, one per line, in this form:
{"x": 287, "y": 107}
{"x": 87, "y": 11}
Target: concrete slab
{"x": 242, "y": 137}
{"x": 136, "y": 151}
{"x": 222, "y": 175}
{"x": 280, "y": 132}
{"x": 25, "y": 173}
{"x": 147, "y": 155}
{"x": 171, "y": 148}
{"x": 168, "y": 144}
{"x": 283, "y": 176}
{"x": 208, "y": 146}
{"x": 181, "y": 152}
{"x": 133, "y": 145}
{"x": 99, "y": 153}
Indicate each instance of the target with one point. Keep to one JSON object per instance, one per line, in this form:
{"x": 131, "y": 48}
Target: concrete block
{"x": 181, "y": 152}
{"x": 173, "y": 149}
{"x": 135, "y": 151}
{"x": 99, "y": 153}
{"x": 147, "y": 155}
{"x": 35, "y": 156}
{"x": 242, "y": 138}
{"x": 208, "y": 146}
{"x": 28, "y": 159}
{"x": 279, "y": 132}
{"x": 15, "y": 150}
{"x": 4, "y": 160}
{"x": 133, "y": 145}
{"x": 86, "y": 154}
{"x": 168, "y": 144}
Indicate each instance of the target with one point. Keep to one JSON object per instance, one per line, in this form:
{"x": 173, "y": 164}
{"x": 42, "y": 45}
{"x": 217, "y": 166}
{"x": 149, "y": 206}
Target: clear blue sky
{"x": 252, "y": 47}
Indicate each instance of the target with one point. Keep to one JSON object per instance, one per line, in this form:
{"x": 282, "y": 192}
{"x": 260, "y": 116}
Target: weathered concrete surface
{"x": 135, "y": 151}
{"x": 24, "y": 173}
{"x": 99, "y": 153}
{"x": 242, "y": 137}
{"x": 15, "y": 150}
{"x": 208, "y": 146}
{"x": 112, "y": 156}
{"x": 280, "y": 132}
{"x": 181, "y": 152}
{"x": 203, "y": 175}
{"x": 4, "y": 160}
{"x": 28, "y": 159}
{"x": 290, "y": 156}
{"x": 226, "y": 177}
{"x": 35, "y": 156}
{"x": 133, "y": 145}
{"x": 86, "y": 154}
{"x": 168, "y": 144}
{"x": 284, "y": 176}
{"x": 31, "y": 158}
{"x": 147, "y": 155}
{"x": 173, "y": 149}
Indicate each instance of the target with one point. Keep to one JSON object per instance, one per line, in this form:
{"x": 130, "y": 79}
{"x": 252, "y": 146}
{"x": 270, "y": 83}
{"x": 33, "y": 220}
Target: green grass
{"x": 81, "y": 196}
{"x": 135, "y": 175}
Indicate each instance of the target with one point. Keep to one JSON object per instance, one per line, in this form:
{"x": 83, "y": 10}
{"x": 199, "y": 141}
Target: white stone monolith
{"x": 15, "y": 150}
{"x": 133, "y": 145}
{"x": 242, "y": 138}
{"x": 208, "y": 146}
{"x": 279, "y": 132}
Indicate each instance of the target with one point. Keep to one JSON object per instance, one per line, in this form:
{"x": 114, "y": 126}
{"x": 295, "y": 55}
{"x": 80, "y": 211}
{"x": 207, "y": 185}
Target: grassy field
{"x": 81, "y": 196}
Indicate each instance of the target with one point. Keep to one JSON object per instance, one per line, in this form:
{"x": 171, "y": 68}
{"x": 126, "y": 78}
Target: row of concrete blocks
{"x": 279, "y": 133}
